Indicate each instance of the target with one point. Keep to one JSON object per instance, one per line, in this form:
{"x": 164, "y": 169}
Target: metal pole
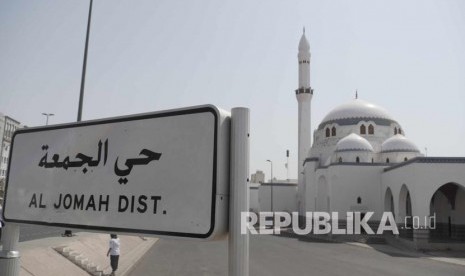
{"x": 287, "y": 165}
{"x": 68, "y": 233}
{"x": 239, "y": 192}
{"x": 271, "y": 182}
{"x": 9, "y": 256}
{"x": 272, "y": 187}
{"x": 84, "y": 65}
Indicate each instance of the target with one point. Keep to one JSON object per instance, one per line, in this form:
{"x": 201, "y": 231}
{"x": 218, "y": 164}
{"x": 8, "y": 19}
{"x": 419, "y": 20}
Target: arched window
{"x": 340, "y": 159}
{"x": 400, "y": 131}
{"x": 371, "y": 129}
{"x": 372, "y": 160}
{"x": 395, "y": 130}
{"x": 357, "y": 160}
{"x": 359, "y": 200}
{"x": 387, "y": 160}
{"x": 405, "y": 159}
{"x": 333, "y": 131}
{"x": 363, "y": 129}
{"x": 327, "y": 132}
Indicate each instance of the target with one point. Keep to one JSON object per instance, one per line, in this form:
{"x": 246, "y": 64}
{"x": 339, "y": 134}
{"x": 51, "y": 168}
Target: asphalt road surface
{"x": 270, "y": 255}
{"x": 33, "y": 232}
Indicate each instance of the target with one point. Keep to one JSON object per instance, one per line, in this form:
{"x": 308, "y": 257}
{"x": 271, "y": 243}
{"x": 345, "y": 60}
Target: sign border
{"x": 159, "y": 114}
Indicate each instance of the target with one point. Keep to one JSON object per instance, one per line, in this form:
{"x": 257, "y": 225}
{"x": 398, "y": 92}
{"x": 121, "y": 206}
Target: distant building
{"x": 258, "y": 177}
{"x": 8, "y": 126}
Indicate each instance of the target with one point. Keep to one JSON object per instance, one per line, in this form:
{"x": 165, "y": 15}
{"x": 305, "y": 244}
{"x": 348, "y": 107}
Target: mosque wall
{"x": 356, "y": 188}
{"x": 284, "y": 197}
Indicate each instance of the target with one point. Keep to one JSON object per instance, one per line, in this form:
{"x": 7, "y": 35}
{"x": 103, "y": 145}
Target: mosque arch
{"x": 447, "y": 204}
{"x": 389, "y": 202}
{"x": 405, "y": 213}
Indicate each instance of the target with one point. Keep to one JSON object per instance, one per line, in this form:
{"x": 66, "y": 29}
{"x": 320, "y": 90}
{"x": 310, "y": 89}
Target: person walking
{"x": 114, "y": 252}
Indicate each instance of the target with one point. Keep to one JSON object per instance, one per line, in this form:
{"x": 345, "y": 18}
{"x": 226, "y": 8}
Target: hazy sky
{"x": 148, "y": 55}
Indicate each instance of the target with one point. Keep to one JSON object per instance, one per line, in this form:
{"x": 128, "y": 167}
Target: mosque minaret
{"x": 304, "y": 95}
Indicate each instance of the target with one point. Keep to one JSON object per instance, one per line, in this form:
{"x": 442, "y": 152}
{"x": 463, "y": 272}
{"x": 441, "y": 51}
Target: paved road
{"x": 33, "y": 232}
{"x": 271, "y": 255}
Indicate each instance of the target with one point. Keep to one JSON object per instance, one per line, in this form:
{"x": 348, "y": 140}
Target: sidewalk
{"x": 391, "y": 248}
{"x": 81, "y": 255}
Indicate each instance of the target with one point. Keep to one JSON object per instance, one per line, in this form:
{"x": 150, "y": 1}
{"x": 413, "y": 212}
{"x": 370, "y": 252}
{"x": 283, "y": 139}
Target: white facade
{"x": 284, "y": 197}
{"x": 7, "y": 126}
{"x": 361, "y": 160}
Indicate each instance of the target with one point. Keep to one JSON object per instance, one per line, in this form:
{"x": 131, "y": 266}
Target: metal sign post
{"x": 239, "y": 192}
{"x": 9, "y": 256}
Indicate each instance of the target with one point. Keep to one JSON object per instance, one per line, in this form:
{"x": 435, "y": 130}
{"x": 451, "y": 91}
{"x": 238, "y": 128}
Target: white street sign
{"x": 163, "y": 173}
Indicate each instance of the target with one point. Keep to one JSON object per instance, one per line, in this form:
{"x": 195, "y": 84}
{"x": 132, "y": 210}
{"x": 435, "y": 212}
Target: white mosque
{"x": 360, "y": 159}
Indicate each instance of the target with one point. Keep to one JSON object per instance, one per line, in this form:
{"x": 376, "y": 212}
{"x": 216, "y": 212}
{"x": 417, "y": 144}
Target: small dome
{"x": 357, "y": 109}
{"x": 304, "y": 46}
{"x": 353, "y": 142}
{"x": 400, "y": 143}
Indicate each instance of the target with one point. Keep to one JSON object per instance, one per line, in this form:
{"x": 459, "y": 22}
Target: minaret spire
{"x": 304, "y": 62}
{"x": 356, "y": 94}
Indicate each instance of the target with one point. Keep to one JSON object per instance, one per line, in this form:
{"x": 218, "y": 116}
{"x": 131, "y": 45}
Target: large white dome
{"x": 357, "y": 109}
{"x": 353, "y": 142}
{"x": 398, "y": 143}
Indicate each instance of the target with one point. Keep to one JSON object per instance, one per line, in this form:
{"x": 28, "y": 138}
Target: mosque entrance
{"x": 389, "y": 202}
{"x": 405, "y": 214}
{"x": 448, "y": 206}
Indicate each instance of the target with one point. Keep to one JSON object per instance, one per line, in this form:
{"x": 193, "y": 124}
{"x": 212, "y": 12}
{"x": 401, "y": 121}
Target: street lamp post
{"x": 47, "y": 115}
{"x": 271, "y": 182}
{"x": 84, "y": 66}
{"x": 69, "y": 233}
